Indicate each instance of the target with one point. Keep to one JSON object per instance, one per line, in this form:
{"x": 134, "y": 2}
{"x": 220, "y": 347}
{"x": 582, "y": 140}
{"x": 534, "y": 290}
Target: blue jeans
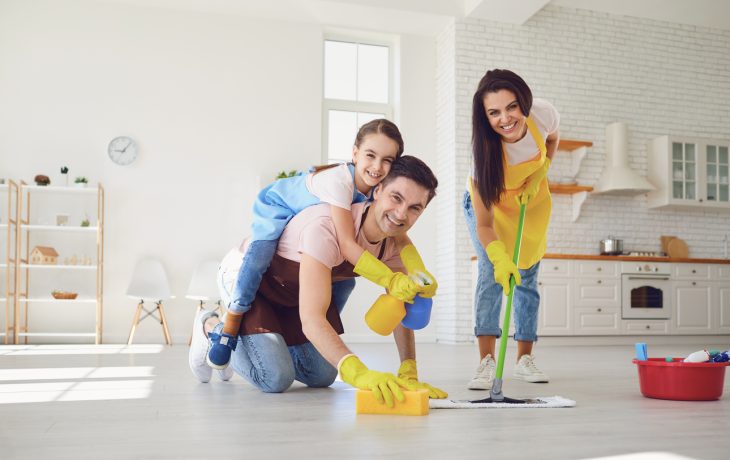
{"x": 266, "y": 361}
{"x": 488, "y": 296}
{"x": 255, "y": 262}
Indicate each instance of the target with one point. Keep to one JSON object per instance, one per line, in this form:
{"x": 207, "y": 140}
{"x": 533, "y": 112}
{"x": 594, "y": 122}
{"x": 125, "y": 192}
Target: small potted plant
{"x": 64, "y": 173}
{"x": 81, "y": 181}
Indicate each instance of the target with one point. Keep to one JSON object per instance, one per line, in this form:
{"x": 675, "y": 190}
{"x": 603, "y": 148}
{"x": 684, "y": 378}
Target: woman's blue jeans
{"x": 488, "y": 295}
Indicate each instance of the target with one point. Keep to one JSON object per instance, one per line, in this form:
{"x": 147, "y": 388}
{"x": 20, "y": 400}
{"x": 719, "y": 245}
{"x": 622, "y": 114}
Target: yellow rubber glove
{"x": 398, "y": 284}
{"x": 504, "y": 268}
{"x": 408, "y": 373}
{"x": 383, "y": 385}
{"x": 532, "y": 184}
{"x": 414, "y": 264}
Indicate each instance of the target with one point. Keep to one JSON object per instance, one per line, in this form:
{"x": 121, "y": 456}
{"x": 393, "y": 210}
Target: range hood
{"x": 617, "y": 178}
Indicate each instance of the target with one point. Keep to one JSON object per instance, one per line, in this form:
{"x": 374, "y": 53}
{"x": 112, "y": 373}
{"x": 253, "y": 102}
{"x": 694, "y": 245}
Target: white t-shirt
{"x": 334, "y": 186}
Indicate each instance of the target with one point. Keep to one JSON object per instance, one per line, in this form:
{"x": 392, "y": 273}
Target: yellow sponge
{"x": 416, "y": 403}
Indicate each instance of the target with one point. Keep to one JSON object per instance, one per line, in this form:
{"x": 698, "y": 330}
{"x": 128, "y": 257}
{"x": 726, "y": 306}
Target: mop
{"x": 496, "y": 399}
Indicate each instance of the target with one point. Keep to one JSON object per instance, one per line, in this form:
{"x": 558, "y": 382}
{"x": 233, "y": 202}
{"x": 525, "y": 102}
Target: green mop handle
{"x": 508, "y": 310}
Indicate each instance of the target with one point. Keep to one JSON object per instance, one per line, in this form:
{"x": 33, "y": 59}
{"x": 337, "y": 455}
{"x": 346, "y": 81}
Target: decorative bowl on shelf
{"x": 65, "y": 295}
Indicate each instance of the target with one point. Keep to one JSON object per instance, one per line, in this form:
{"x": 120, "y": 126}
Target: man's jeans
{"x": 488, "y": 296}
{"x": 265, "y": 360}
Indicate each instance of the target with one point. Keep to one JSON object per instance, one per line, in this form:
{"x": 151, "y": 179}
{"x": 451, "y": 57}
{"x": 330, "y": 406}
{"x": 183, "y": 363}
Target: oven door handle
{"x": 649, "y": 278}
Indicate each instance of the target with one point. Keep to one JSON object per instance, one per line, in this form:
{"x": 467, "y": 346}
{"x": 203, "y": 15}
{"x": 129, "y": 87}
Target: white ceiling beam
{"x": 514, "y": 12}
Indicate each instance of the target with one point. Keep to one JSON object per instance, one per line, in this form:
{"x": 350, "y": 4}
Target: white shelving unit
{"x": 8, "y": 263}
{"x": 31, "y": 233}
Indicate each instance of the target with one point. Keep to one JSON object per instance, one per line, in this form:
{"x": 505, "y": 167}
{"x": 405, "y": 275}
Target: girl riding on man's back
{"x": 377, "y": 145}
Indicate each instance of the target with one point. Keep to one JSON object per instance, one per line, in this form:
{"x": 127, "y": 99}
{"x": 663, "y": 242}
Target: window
{"x": 357, "y": 89}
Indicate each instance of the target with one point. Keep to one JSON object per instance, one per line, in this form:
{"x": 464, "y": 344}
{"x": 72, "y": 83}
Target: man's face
{"x": 397, "y": 205}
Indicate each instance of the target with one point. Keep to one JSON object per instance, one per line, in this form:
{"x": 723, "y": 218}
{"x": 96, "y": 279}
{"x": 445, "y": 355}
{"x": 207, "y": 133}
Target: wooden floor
{"x": 70, "y": 402}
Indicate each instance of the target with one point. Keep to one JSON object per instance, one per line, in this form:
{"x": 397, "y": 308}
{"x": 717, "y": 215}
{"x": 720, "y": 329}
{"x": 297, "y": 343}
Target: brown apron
{"x": 276, "y": 306}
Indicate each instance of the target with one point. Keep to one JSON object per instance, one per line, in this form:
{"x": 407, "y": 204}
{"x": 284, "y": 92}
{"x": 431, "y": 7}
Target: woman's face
{"x": 504, "y": 115}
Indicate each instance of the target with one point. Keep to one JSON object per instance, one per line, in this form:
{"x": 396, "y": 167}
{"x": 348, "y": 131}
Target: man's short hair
{"x": 414, "y": 169}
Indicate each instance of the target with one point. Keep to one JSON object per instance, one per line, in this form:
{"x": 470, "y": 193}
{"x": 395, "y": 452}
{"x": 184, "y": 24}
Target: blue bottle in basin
{"x": 418, "y": 313}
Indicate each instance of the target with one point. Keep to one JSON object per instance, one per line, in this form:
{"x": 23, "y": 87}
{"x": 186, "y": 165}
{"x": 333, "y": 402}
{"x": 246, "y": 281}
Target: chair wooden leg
{"x": 135, "y": 321}
{"x": 163, "y": 321}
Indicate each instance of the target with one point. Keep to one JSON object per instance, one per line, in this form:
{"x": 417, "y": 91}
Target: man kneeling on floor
{"x": 292, "y": 330}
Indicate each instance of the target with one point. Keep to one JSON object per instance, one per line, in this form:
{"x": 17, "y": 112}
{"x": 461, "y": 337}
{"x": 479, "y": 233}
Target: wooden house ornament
{"x": 44, "y": 255}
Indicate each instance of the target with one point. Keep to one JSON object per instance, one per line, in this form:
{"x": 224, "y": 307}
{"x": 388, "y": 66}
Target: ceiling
{"x": 429, "y": 17}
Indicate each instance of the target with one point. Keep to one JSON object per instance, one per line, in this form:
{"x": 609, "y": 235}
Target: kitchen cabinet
{"x": 645, "y": 327}
{"x": 722, "y": 318}
{"x": 693, "y": 312}
{"x": 597, "y": 293}
{"x": 689, "y": 173}
{"x": 556, "y": 291}
{"x": 583, "y": 297}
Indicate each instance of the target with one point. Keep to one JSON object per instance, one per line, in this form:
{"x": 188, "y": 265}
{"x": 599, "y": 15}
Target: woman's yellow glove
{"x": 414, "y": 264}
{"x": 532, "y": 184}
{"x": 504, "y": 268}
{"x": 383, "y": 385}
{"x": 398, "y": 284}
{"x": 409, "y": 374}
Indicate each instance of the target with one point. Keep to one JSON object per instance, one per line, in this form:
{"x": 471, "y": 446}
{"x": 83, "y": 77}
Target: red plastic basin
{"x": 681, "y": 381}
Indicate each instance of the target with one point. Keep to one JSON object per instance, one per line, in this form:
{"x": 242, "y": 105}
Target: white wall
{"x": 218, "y": 105}
{"x": 660, "y": 78}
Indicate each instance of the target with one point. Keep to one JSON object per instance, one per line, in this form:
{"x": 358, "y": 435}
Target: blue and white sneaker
{"x": 220, "y": 346}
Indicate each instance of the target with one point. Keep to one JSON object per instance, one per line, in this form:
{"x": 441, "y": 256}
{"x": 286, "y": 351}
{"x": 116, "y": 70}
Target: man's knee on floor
{"x": 276, "y": 381}
{"x": 321, "y": 379}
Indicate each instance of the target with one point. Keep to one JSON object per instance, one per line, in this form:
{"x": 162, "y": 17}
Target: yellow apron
{"x": 537, "y": 215}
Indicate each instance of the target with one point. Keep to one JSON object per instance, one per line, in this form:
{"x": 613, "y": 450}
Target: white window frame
{"x": 355, "y": 106}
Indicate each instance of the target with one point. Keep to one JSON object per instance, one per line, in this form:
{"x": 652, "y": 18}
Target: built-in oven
{"x": 646, "y": 290}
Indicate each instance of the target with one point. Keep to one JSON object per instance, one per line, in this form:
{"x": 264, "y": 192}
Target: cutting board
{"x": 665, "y": 239}
{"x": 677, "y": 248}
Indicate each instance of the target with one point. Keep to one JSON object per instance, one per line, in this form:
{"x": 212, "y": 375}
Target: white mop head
{"x": 551, "y": 401}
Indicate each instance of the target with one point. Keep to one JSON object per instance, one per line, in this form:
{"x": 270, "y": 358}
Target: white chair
{"x": 149, "y": 282}
{"x": 204, "y": 288}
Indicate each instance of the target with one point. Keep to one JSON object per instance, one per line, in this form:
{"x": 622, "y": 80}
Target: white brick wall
{"x": 658, "y": 77}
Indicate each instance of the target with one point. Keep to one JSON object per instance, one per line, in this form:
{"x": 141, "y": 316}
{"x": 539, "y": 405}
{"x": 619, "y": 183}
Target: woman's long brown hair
{"x": 487, "y": 144}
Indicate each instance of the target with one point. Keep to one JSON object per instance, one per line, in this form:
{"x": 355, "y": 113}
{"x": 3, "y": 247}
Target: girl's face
{"x": 373, "y": 159}
{"x": 504, "y": 115}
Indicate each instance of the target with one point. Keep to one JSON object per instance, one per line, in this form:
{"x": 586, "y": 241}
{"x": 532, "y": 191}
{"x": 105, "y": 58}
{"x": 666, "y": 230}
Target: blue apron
{"x": 281, "y": 200}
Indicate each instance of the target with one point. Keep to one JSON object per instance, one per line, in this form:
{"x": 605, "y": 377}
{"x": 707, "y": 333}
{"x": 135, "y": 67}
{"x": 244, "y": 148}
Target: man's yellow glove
{"x": 398, "y": 284}
{"x": 383, "y": 385}
{"x": 408, "y": 373}
{"x": 504, "y": 268}
{"x": 414, "y": 264}
{"x": 532, "y": 184}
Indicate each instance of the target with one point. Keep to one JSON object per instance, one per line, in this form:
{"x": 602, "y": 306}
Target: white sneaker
{"x": 527, "y": 371}
{"x": 485, "y": 374}
{"x": 225, "y": 374}
{"x": 199, "y": 348}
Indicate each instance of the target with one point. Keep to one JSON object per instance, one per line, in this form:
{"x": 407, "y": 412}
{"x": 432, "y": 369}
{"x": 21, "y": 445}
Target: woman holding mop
{"x": 513, "y": 139}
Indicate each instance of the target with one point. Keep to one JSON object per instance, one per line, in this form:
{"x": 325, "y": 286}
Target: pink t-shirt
{"x": 312, "y": 232}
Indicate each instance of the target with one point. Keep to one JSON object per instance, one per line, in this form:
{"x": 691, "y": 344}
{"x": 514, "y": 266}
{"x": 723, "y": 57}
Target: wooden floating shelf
{"x": 563, "y": 189}
{"x": 569, "y": 145}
